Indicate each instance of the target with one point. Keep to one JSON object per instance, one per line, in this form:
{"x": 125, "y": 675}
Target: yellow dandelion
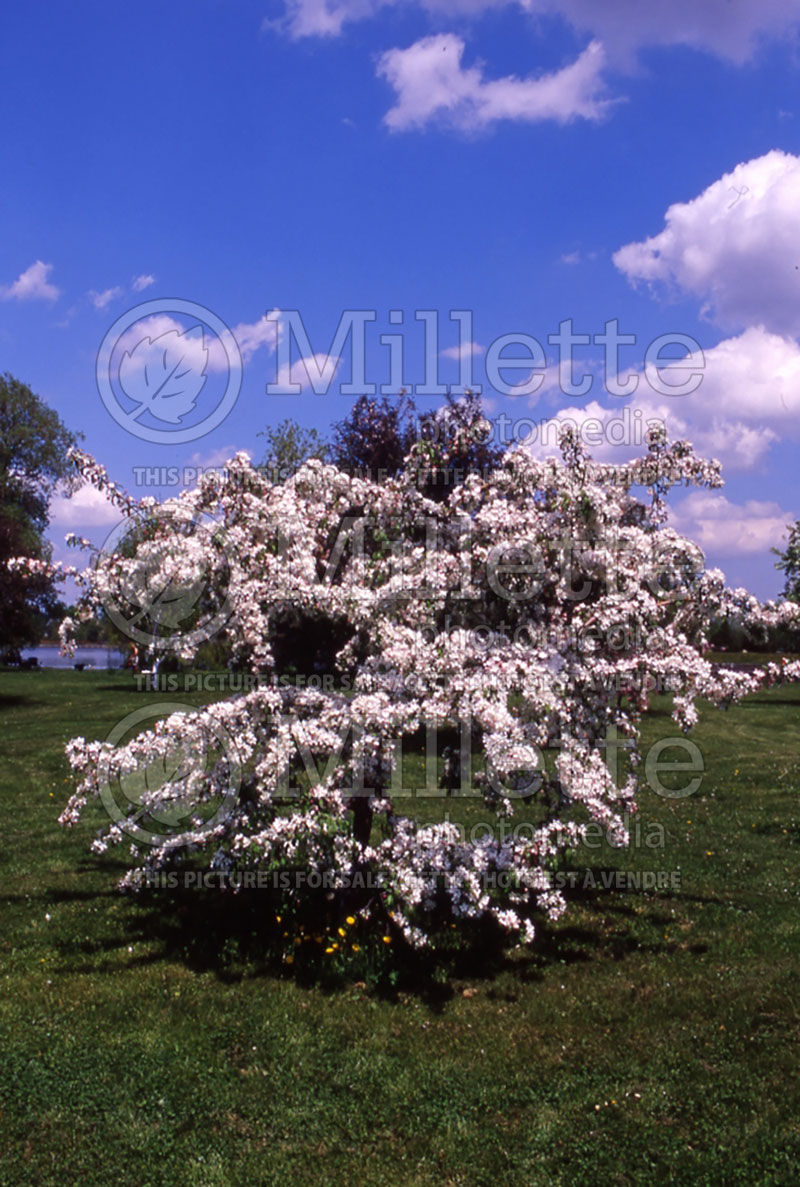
{"x": 341, "y": 931}
{"x": 387, "y": 939}
{"x": 350, "y": 920}
{"x": 328, "y": 951}
{"x": 356, "y": 947}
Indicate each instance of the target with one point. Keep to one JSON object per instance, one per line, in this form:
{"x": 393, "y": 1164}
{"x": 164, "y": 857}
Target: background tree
{"x": 453, "y": 442}
{"x": 375, "y": 438}
{"x": 446, "y": 444}
{"x": 33, "y": 465}
{"x": 789, "y": 564}
{"x": 288, "y": 446}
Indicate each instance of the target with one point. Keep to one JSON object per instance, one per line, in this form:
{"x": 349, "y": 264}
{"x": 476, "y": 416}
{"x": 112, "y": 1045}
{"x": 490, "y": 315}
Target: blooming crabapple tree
{"x": 523, "y": 612}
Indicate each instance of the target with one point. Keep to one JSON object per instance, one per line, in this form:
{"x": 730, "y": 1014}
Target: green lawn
{"x": 652, "y": 1037}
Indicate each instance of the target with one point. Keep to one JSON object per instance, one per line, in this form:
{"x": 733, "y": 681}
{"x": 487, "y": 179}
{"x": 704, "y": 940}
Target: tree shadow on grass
{"x": 244, "y": 935}
{"x": 128, "y": 687}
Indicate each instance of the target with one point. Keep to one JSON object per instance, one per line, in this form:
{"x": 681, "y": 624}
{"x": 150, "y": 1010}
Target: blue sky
{"x": 529, "y": 162}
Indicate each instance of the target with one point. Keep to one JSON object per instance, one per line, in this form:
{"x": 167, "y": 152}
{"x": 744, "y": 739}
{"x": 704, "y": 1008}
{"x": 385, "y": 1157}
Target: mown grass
{"x": 651, "y": 1036}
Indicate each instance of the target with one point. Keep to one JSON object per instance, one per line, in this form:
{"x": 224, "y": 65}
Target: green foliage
{"x": 288, "y": 446}
{"x": 789, "y": 564}
{"x": 33, "y": 464}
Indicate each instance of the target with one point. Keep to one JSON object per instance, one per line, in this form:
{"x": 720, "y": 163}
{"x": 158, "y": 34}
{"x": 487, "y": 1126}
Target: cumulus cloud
{"x": 735, "y": 247}
{"x": 729, "y": 29}
{"x": 753, "y": 377}
{"x": 31, "y": 285}
{"x": 86, "y": 508}
{"x": 609, "y": 434}
{"x": 100, "y": 300}
{"x": 748, "y": 399}
{"x": 146, "y": 340}
{"x": 313, "y": 372}
{"x": 327, "y": 18}
{"x": 322, "y": 18}
{"x": 730, "y": 529}
{"x": 213, "y": 458}
{"x": 430, "y": 82}
{"x": 464, "y": 350}
{"x": 251, "y": 336}
{"x": 140, "y": 283}
{"x": 202, "y": 352}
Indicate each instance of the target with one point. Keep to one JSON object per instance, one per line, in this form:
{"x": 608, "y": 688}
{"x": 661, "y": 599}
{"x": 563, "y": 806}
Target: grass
{"x": 651, "y": 1036}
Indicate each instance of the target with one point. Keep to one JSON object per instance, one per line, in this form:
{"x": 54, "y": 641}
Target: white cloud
{"x": 144, "y": 342}
{"x": 729, "y": 29}
{"x": 753, "y": 377}
{"x": 140, "y": 283}
{"x": 730, "y": 529}
{"x": 31, "y": 285}
{"x": 316, "y": 369}
{"x": 430, "y": 82}
{"x": 321, "y": 18}
{"x": 252, "y": 336}
{"x": 327, "y": 18}
{"x": 202, "y": 353}
{"x": 735, "y": 247}
{"x": 100, "y": 300}
{"x": 87, "y": 508}
{"x": 464, "y": 350}
{"x": 747, "y": 400}
{"x": 613, "y": 434}
{"x": 214, "y": 459}
{"x": 572, "y": 258}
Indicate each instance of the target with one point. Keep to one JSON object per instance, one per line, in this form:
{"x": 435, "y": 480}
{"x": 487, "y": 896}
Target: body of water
{"x": 91, "y": 657}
